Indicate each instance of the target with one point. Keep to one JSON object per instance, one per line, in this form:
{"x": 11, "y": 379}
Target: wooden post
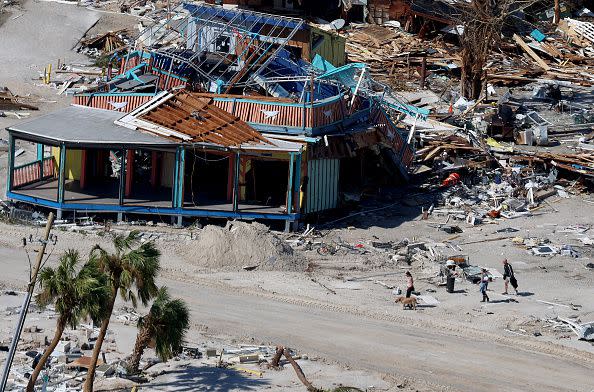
{"x": 62, "y": 173}
{"x": 236, "y": 182}
{"x": 181, "y": 173}
{"x": 423, "y": 72}
{"x": 40, "y": 158}
{"x": 11, "y": 158}
{"x": 174, "y": 188}
{"x": 129, "y": 172}
{"x": 297, "y": 183}
{"x": 557, "y": 16}
{"x": 230, "y": 176}
{"x": 122, "y": 188}
{"x": 290, "y": 183}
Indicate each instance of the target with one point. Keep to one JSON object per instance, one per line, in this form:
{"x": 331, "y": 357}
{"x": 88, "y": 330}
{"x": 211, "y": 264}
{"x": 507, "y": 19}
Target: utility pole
{"x": 25, "y": 307}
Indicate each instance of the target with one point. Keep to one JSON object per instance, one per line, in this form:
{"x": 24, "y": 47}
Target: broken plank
{"x": 531, "y": 52}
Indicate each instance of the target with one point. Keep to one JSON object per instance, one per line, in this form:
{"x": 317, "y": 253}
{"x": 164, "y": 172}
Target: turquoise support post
{"x": 40, "y": 158}
{"x": 297, "y": 182}
{"x": 11, "y": 150}
{"x": 180, "y": 180}
{"x": 175, "y": 179}
{"x": 62, "y": 173}
{"x": 290, "y": 183}
{"x": 236, "y": 183}
{"x": 122, "y": 185}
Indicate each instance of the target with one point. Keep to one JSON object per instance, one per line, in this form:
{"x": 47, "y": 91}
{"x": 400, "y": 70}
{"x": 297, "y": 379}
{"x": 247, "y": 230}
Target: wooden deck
{"x": 106, "y": 194}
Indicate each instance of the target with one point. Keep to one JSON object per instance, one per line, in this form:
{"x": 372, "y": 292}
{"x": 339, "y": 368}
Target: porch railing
{"x": 274, "y": 113}
{"x": 34, "y": 171}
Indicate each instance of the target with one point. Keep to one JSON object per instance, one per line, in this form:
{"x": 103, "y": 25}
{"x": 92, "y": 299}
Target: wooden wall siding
{"x": 132, "y": 62}
{"x": 167, "y": 82}
{"x": 31, "y": 172}
{"x": 296, "y": 116}
{"x": 328, "y": 114}
{"x": 407, "y": 157}
{"x": 322, "y": 187}
{"x": 102, "y": 101}
{"x": 391, "y": 133}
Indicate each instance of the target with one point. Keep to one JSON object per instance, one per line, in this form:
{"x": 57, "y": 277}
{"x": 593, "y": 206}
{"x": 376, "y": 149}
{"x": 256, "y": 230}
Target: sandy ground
{"x": 444, "y": 347}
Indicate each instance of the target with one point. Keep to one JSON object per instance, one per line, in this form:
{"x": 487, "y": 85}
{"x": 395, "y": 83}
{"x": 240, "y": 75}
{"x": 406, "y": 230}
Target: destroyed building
{"x": 241, "y": 115}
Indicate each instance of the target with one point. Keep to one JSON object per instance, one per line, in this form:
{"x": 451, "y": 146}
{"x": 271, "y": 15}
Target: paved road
{"x": 383, "y": 346}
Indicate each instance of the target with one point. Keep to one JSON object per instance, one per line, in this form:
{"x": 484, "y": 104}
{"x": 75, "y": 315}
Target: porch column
{"x": 40, "y": 158}
{"x": 129, "y": 171}
{"x": 230, "y": 176}
{"x": 83, "y": 169}
{"x": 181, "y": 180}
{"x": 174, "y": 188}
{"x": 236, "y": 182}
{"x": 122, "y": 187}
{"x": 154, "y": 170}
{"x": 11, "y": 150}
{"x": 297, "y": 184}
{"x": 62, "y": 173}
{"x": 290, "y": 183}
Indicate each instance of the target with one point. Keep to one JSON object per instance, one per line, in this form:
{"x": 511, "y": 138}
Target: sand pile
{"x": 240, "y": 244}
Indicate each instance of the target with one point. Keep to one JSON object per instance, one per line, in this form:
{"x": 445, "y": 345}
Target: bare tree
{"x": 483, "y": 21}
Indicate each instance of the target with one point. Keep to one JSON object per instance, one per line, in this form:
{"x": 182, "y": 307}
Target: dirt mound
{"x": 240, "y": 244}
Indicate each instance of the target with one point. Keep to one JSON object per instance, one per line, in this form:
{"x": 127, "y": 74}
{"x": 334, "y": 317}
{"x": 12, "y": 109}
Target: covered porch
{"x": 87, "y": 163}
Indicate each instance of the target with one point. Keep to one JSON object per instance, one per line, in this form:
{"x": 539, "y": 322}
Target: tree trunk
{"x": 142, "y": 340}
{"x": 557, "y": 12}
{"x": 277, "y": 356}
{"x": 477, "y": 86}
{"x": 60, "y": 325}
{"x": 88, "y": 387}
{"x": 299, "y": 372}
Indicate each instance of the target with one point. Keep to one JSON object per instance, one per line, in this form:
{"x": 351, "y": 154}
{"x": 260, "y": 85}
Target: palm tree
{"x": 166, "y": 322}
{"x": 133, "y": 265}
{"x": 75, "y": 294}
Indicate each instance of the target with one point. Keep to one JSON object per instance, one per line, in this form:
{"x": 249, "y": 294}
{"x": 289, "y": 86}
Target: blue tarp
{"x": 285, "y": 66}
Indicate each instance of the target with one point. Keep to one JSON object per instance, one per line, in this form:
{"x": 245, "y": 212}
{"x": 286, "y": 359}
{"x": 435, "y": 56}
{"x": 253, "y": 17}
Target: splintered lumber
{"x": 531, "y": 52}
{"x": 323, "y": 285}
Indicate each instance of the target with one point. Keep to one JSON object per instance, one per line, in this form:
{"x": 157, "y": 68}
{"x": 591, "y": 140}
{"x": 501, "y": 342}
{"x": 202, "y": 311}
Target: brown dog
{"x": 410, "y": 302}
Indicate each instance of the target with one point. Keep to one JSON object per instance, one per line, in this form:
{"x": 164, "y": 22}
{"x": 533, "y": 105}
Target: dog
{"x": 410, "y": 302}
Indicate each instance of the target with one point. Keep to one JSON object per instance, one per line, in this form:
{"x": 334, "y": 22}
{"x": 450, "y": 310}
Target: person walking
{"x": 484, "y": 285}
{"x": 509, "y": 277}
{"x": 410, "y": 286}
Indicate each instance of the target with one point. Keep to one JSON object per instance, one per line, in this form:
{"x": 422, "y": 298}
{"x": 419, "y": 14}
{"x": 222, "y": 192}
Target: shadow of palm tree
{"x": 205, "y": 378}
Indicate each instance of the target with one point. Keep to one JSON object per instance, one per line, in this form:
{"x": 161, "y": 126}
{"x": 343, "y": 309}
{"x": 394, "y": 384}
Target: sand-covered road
{"x": 441, "y": 360}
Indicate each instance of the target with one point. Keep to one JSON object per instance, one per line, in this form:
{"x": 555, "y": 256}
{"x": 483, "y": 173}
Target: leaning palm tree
{"x": 75, "y": 293}
{"x": 132, "y": 266}
{"x": 166, "y": 323}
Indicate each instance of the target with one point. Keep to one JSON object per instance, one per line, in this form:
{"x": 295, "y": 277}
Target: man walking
{"x": 484, "y": 285}
{"x": 509, "y": 277}
{"x": 410, "y": 285}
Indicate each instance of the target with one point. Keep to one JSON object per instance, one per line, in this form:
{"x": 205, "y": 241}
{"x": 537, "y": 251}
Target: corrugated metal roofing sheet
{"x": 84, "y": 125}
{"x": 199, "y": 118}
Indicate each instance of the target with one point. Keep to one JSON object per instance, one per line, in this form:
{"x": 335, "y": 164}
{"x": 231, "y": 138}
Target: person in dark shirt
{"x": 410, "y": 285}
{"x": 484, "y": 285}
{"x": 509, "y": 277}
